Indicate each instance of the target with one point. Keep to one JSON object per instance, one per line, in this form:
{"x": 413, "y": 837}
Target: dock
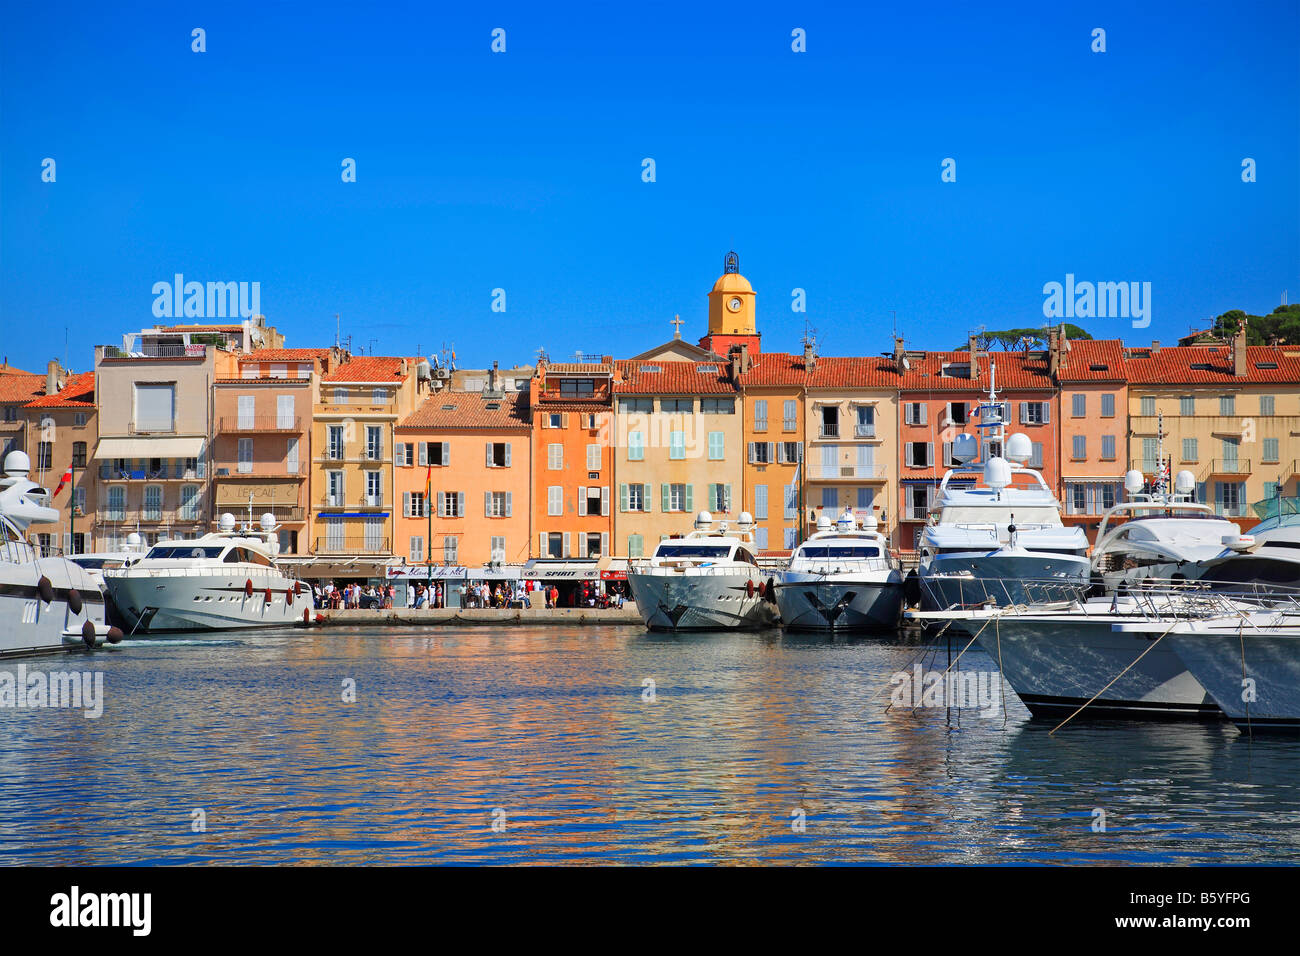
{"x": 483, "y": 617}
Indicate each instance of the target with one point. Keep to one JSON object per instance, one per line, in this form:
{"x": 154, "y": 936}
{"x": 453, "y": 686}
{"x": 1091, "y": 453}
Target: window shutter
{"x": 399, "y": 454}
{"x": 750, "y": 452}
{"x": 460, "y": 504}
{"x": 406, "y": 504}
{"x": 567, "y": 552}
{"x": 541, "y": 544}
{"x": 604, "y": 499}
{"x": 422, "y": 453}
{"x": 645, "y": 497}
{"x": 510, "y": 504}
{"x": 488, "y": 455}
{"x": 770, "y": 450}
{"x": 1047, "y": 413}
{"x": 728, "y": 499}
{"x": 442, "y": 505}
{"x": 924, "y": 409}
{"x": 664, "y": 500}
{"x": 604, "y": 542}
{"x": 487, "y": 504}
{"x": 564, "y": 423}
{"x": 446, "y": 453}
{"x": 929, "y": 453}
{"x": 508, "y": 444}
{"x": 582, "y": 500}
{"x": 690, "y": 498}
{"x": 622, "y": 497}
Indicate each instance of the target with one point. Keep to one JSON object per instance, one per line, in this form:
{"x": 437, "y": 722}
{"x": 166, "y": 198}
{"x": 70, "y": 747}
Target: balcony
{"x": 362, "y": 459}
{"x": 351, "y": 544}
{"x": 257, "y": 469}
{"x": 850, "y": 473}
{"x": 912, "y": 512}
{"x": 259, "y": 423}
{"x": 111, "y": 472}
{"x": 864, "y": 431}
{"x": 154, "y": 350}
{"x": 828, "y": 431}
{"x": 358, "y": 501}
{"x": 282, "y": 513}
{"x": 1227, "y": 468}
{"x": 124, "y": 516}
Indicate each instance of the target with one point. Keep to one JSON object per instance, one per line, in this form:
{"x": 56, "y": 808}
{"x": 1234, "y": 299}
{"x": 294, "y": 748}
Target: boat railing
{"x": 683, "y": 565}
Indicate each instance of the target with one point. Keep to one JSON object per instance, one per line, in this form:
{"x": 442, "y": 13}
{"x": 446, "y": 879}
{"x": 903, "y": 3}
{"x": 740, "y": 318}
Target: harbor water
{"x": 605, "y": 745}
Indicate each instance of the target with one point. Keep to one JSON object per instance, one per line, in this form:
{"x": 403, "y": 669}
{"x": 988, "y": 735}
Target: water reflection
{"x": 553, "y": 729}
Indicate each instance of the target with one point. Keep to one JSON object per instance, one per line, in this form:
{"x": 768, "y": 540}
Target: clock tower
{"x": 731, "y": 311}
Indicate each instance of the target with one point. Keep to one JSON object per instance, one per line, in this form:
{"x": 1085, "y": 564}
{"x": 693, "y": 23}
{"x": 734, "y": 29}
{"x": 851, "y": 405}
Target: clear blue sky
{"x": 523, "y": 170}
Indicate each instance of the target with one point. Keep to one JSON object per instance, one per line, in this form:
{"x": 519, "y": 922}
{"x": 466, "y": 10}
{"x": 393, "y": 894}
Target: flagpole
{"x": 72, "y": 509}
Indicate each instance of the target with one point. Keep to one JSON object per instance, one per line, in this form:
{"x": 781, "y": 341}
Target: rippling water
{"x": 547, "y": 732}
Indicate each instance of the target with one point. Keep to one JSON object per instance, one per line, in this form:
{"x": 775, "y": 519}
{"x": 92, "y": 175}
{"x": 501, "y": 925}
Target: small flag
{"x": 428, "y": 485}
{"x": 67, "y": 477}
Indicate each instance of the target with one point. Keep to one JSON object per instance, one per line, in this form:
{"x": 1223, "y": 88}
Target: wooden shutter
{"x": 488, "y": 455}
{"x": 604, "y": 499}
{"x": 422, "y": 453}
{"x": 510, "y": 504}
{"x": 622, "y": 497}
{"x": 508, "y": 454}
{"x": 487, "y": 504}
{"x": 567, "y": 551}
{"x": 582, "y": 500}
{"x": 406, "y": 504}
{"x": 645, "y": 497}
{"x": 690, "y": 498}
{"x": 665, "y": 493}
{"x": 446, "y": 453}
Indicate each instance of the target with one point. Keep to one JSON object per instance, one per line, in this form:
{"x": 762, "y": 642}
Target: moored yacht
{"x": 46, "y": 603}
{"x": 983, "y": 543}
{"x": 841, "y": 579}
{"x": 223, "y": 580}
{"x": 707, "y": 580}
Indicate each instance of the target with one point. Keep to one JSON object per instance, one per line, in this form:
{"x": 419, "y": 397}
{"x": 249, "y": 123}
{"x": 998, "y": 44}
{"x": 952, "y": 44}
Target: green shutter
{"x": 728, "y": 498}
{"x": 663, "y": 497}
{"x": 622, "y": 497}
{"x": 646, "y": 491}
{"x": 690, "y": 499}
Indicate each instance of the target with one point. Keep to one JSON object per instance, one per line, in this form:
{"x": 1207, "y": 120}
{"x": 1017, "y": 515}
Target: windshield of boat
{"x": 693, "y": 551}
{"x": 999, "y": 514}
{"x": 96, "y": 563}
{"x": 838, "y": 551}
{"x": 184, "y": 551}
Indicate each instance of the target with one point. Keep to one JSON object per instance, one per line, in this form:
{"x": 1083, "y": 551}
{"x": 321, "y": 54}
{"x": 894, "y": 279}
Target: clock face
{"x": 734, "y": 303}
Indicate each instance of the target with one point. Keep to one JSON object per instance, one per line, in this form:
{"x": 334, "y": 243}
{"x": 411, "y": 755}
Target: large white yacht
{"x": 707, "y": 580}
{"x": 46, "y": 603}
{"x": 983, "y": 542}
{"x": 223, "y": 580}
{"x": 841, "y": 579}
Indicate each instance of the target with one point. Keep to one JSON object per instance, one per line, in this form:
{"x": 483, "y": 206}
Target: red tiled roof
{"x": 1015, "y": 370}
{"x": 372, "y": 368}
{"x": 676, "y": 378}
{"x": 1093, "y": 360}
{"x": 1174, "y": 365}
{"x": 470, "y": 410}
{"x": 774, "y": 368}
{"x": 857, "y": 372}
{"x": 77, "y": 392}
{"x": 580, "y": 368}
{"x": 283, "y": 355}
{"x": 593, "y": 407}
{"x": 21, "y": 386}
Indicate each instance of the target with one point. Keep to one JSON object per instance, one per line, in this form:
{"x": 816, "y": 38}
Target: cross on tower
{"x": 677, "y": 324}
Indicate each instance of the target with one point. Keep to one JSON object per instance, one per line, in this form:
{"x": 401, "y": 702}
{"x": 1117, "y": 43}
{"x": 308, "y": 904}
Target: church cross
{"x": 677, "y": 324}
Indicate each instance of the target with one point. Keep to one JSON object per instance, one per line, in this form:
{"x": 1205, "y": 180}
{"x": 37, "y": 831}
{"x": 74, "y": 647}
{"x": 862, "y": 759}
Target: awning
{"x": 143, "y": 447}
{"x": 424, "y": 572}
{"x": 265, "y": 494}
{"x": 543, "y": 570}
{"x": 494, "y": 574}
{"x": 617, "y": 570}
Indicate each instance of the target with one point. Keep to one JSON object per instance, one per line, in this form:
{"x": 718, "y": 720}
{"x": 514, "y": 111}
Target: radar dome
{"x": 997, "y": 473}
{"x": 846, "y": 521}
{"x": 268, "y": 521}
{"x": 745, "y": 518}
{"x": 869, "y": 523}
{"x": 17, "y": 464}
{"x": 1133, "y": 481}
{"x": 133, "y": 541}
{"x": 703, "y": 520}
{"x": 1019, "y": 448}
{"x": 227, "y": 522}
{"x": 964, "y": 448}
{"x": 1184, "y": 482}
{"x": 823, "y": 523}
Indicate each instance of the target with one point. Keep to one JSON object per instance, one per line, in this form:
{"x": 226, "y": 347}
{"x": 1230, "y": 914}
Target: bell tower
{"x": 732, "y": 318}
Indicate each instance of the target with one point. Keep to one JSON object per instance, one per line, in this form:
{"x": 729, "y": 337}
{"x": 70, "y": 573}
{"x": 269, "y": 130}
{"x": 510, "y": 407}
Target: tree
{"x": 1282, "y": 323}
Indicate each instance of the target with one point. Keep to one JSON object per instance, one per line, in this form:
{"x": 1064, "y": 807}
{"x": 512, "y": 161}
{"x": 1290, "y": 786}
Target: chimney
{"x": 809, "y": 355}
{"x": 492, "y": 378}
{"x": 973, "y": 347}
{"x": 1239, "y": 351}
{"x": 1155, "y": 346}
{"x": 1057, "y": 345}
{"x": 52, "y": 377}
{"x": 740, "y": 361}
{"x": 899, "y": 354}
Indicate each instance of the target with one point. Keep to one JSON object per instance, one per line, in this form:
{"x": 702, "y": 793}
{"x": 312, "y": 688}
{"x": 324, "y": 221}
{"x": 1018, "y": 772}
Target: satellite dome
{"x": 744, "y": 518}
{"x": 703, "y": 520}
{"x": 997, "y": 473}
{"x": 965, "y": 448}
{"x": 17, "y": 464}
{"x": 1184, "y": 482}
{"x": 1133, "y": 481}
{"x": 133, "y": 541}
{"x": 1019, "y": 448}
{"x": 869, "y": 523}
{"x": 268, "y": 521}
{"x": 227, "y": 522}
{"x": 846, "y": 521}
{"x": 823, "y": 523}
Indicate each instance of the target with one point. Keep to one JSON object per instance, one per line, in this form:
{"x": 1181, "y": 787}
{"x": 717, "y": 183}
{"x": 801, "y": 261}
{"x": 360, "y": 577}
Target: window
{"x": 554, "y": 544}
{"x": 918, "y": 454}
{"x": 1036, "y": 459}
{"x": 716, "y": 442}
{"x": 79, "y": 500}
{"x": 498, "y": 454}
{"x": 676, "y": 445}
{"x": 830, "y": 499}
{"x": 451, "y": 504}
{"x": 1186, "y": 406}
{"x": 1148, "y": 405}
{"x": 498, "y": 504}
{"x": 1107, "y": 447}
{"x": 78, "y": 419}
{"x": 1227, "y": 404}
{"x": 718, "y": 406}
{"x": 635, "y": 446}
{"x": 633, "y": 497}
{"x": 1266, "y": 405}
{"x": 555, "y": 457}
{"x": 116, "y": 502}
{"x": 555, "y": 420}
{"x": 374, "y": 490}
{"x": 413, "y": 504}
{"x": 636, "y": 405}
{"x": 760, "y": 452}
{"x": 340, "y": 396}
{"x": 245, "y": 456}
{"x": 334, "y": 499}
{"x": 593, "y": 457}
{"x": 335, "y": 450}
{"x": 760, "y": 415}
{"x": 789, "y": 452}
{"x": 1272, "y": 489}
{"x": 404, "y": 451}
{"x": 284, "y": 417}
{"x": 152, "y": 503}
{"x": 791, "y": 498}
{"x": 830, "y": 424}
{"x": 789, "y": 415}
{"x": 582, "y": 387}
{"x": 677, "y": 497}
{"x": 865, "y": 426}
{"x": 830, "y": 461}
{"x": 436, "y": 453}
{"x": 1090, "y": 498}
{"x": 155, "y": 407}
{"x": 760, "y": 502}
{"x": 379, "y": 396}
{"x": 1079, "y": 405}
{"x": 1108, "y": 406}
{"x": 449, "y": 549}
{"x": 913, "y": 413}
{"x": 1034, "y": 413}
{"x": 866, "y": 498}
{"x": 719, "y": 497}
{"x": 189, "y": 510}
{"x": 595, "y": 545}
{"x": 497, "y": 547}
{"x": 1189, "y": 449}
{"x": 677, "y": 405}
{"x": 1270, "y": 449}
{"x": 788, "y": 538}
{"x": 1228, "y": 497}
{"x": 374, "y": 442}
{"x": 635, "y": 546}
{"x": 1079, "y": 448}
{"x": 555, "y": 500}
{"x": 416, "y": 552}
{"x": 45, "y": 455}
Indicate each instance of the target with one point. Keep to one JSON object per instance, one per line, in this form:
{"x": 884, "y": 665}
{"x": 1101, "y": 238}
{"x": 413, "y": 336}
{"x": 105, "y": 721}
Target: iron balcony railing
{"x": 351, "y": 544}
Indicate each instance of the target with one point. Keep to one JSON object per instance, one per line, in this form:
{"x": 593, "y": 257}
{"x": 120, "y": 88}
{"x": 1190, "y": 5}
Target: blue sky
{"x": 522, "y": 170}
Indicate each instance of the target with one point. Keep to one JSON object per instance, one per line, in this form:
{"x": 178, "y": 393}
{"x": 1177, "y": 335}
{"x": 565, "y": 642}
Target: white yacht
{"x": 224, "y": 580}
{"x": 841, "y": 579}
{"x": 1166, "y": 537}
{"x": 1267, "y": 561}
{"x": 983, "y": 542}
{"x": 707, "y": 580}
{"x": 46, "y": 603}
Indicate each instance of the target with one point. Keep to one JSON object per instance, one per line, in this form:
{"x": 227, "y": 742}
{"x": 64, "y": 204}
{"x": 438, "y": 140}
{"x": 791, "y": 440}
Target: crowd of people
{"x": 503, "y": 594}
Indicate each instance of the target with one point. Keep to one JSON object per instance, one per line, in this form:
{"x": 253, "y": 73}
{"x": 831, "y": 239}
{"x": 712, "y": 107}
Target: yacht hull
{"x": 812, "y": 603}
{"x": 158, "y": 603}
{"x": 976, "y": 578}
{"x": 30, "y": 626}
{"x": 677, "y": 601}
{"x": 1056, "y": 663}
{"x": 1225, "y": 660}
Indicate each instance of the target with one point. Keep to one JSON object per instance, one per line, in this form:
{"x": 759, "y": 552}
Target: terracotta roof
{"x": 372, "y": 368}
{"x": 835, "y": 372}
{"x": 283, "y": 355}
{"x": 774, "y": 368}
{"x": 580, "y": 368}
{"x": 77, "y": 392}
{"x": 673, "y": 378}
{"x": 1210, "y": 365}
{"x": 1089, "y": 360}
{"x": 593, "y": 407}
{"x": 1016, "y": 370}
{"x": 21, "y": 386}
{"x": 470, "y": 410}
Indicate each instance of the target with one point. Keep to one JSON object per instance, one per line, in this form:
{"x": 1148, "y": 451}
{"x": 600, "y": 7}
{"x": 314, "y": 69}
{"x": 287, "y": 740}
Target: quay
{"x": 483, "y": 617}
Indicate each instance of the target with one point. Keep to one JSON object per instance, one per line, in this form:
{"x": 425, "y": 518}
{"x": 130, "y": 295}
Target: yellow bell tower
{"x": 731, "y": 303}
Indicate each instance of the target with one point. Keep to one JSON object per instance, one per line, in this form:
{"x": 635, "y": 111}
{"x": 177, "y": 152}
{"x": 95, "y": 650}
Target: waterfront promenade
{"x": 486, "y": 617}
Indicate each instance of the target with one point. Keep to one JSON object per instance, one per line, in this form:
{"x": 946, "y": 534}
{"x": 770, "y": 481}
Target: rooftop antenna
{"x": 893, "y": 313}
{"x": 338, "y": 331}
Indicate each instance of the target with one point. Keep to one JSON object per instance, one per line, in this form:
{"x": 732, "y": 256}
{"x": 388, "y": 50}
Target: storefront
{"x": 570, "y": 577}
{"x": 444, "y": 579}
{"x": 613, "y": 579}
{"x": 338, "y": 571}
